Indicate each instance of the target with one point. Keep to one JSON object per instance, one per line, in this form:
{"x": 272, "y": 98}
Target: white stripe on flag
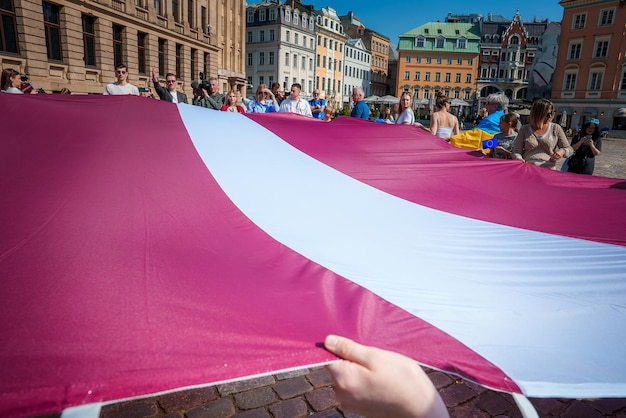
{"x": 548, "y": 310}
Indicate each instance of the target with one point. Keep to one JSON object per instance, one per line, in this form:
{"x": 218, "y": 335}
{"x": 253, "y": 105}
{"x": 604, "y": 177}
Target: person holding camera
{"x": 170, "y": 94}
{"x": 11, "y": 81}
{"x": 587, "y": 145}
{"x": 211, "y": 99}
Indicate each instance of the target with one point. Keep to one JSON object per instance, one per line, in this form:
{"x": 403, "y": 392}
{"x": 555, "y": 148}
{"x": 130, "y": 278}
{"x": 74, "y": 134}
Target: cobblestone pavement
{"x": 309, "y": 392}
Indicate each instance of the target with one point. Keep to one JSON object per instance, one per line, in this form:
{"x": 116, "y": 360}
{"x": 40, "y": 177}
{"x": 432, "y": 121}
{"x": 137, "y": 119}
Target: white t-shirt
{"x": 406, "y": 117}
{"x": 299, "y": 106}
{"x": 115, "y": 88}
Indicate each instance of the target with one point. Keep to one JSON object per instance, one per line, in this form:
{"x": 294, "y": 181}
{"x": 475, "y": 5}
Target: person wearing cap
{"x": 587, "y": 145}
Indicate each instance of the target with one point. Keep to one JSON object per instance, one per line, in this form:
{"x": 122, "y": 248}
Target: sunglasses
{"x": 120, "y": 72}
{"x": 170, "y": 81}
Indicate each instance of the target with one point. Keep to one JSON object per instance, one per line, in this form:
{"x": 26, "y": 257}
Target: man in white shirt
{"x": 121, "y": 86}
{"x": 294, "y": 103}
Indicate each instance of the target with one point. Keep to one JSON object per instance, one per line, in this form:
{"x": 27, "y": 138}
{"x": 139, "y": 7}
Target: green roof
{"x": 451, "y": 32}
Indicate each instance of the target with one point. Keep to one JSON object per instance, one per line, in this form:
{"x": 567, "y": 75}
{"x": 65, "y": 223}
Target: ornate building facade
{"x": 331, "y": 41}
{"x": 77, "y": 45}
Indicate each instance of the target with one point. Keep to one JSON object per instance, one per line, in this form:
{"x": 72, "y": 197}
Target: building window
{"x": 141, "y": 52}
{"x": 287, "y": 36}
{"x": 262, "y": 79}
{"x": 179, "y": 60}
{"x": 162, "y": 48}
{"x": 287, "y": 58}
{"x": 175, "y": 12}
{"x": 8, "y": 33}
{"x": 428, "y": 60}
{"x": 419, "y": 42}
{"x": 261, "y": 36}
{"x": 606, "y": 17}
{"x": 439, "y": 60}
{"x": 601, "y": 48}
{"x": 287, "y": 16}
{"x": 595, "y": 80}
{"x": 468, "y": 78}
{"x": 295, "y": 61}
{"x": 262, "y": 14}
{"x": 250, "y": 16}
{"x": 53, "y": 31}
{"x": 418, "y": 59}
{"x": 205, "y": 27}
{"x": 407, "y": 75}
{"x": 427, "y": 76}
{"x": 470, "y": 61}
{"x": 303, "y": 66}
{"x": 296, "y": 19}
{"x": 296, "y": 38}
{"x": 118, "y": 46}
{"x": 249, "y": 36}
{"x": 89, "y": 41}
{"x": 310, "y": 64}
{"x": 206, "y": 63}
{"x": 457, "y": 78}
{"x": 249, "y": 62}
{"x": 570, "y": 82}
{"x": 623, "y": 83}
{"x": 437, "y": 76}
{"x": 408, "y": 58}
{"x": 579, "y": 21}
{"x": 271, "y": 58}
{"x": 449, "y": 61}
{"x": 448, "y": 76}
{"x": 440, "y": 42}
{"x": 272, "y": 14}
{"x": 190, "y": 10}
{"x": 261, "y": 58}
{"x": 417, "y": 75}
{"x": 157, "y": 7}
{"x": 272, "y": 35}
{"x": 574, "y": 51}
{"x": 193, "y": 55}
{"x": 461, "y": 43}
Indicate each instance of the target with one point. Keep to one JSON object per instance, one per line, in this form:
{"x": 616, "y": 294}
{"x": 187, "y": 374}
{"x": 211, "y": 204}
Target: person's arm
{"x": 434, "y": 124}
{"x": 596, "y": 146}
{"x": 307, "y": 109}
{"x": 455, "y": 128}
{"x": 379, "y": 383}
{"x": 518, "y": 144}
{"x": 563, "y": 148}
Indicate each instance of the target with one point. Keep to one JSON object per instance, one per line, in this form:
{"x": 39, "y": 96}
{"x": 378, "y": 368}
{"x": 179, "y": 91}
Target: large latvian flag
{"x": 147, "y": 247}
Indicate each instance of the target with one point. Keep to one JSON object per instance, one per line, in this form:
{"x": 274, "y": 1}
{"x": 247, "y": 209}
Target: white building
{"x": 357, "y": 71}
{"x": 280, "y": 45}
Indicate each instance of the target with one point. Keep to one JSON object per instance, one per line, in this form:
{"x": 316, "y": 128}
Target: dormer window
{"x": 426, "y": 30}
{"x": 419, "y": 42}
{"x": 461, "y": 43}
{"x": 440, "y": 42}
{"x": 287, "y": 15}
{"x": 439, "y": 31}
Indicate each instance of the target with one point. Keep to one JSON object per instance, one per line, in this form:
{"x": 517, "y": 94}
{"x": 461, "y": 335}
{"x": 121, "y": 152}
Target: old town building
{"x": 77, "y": 44}
{"x": 377, "y": 44}
{"x": 439, "y": 56}
{"x": 280, "y": 45}
{"x": 357, "y": 70}
{"x": 590, "y": 76}
{"x": 331, "y": 41}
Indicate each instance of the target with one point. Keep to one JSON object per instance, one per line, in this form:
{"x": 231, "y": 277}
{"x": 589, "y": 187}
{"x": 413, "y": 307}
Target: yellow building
{"x": 330, "y": 46}
{"x": 77, "y": 44}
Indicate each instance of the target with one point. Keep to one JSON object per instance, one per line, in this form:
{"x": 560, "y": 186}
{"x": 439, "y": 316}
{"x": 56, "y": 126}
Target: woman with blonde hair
{"x": 11, "y": 81}
{"x": 405, "y": 113}
{"x": 541, "y": 142}
{"x": 264, "y": 101}
{"x": 443, "y": 124}
{"x": 231, "y": 103}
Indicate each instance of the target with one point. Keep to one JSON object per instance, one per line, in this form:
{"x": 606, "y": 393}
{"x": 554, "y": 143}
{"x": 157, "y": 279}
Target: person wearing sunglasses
{"x": 541, "y": 142}
{"x": 121, "y": 86}
{"x": 169, "y": 94}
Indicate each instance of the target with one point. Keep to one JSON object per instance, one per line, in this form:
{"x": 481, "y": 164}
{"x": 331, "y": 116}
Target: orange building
{"x": 330, "y": 45}
{"x": 590, "y": 76}
{"x": 439, "y": 57}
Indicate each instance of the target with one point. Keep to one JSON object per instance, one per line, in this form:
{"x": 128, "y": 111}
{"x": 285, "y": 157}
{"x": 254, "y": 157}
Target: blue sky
{"x": 392, "y": 18}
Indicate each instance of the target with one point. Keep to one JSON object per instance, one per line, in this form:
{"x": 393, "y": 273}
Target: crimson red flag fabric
{"x": 148, "y": 247}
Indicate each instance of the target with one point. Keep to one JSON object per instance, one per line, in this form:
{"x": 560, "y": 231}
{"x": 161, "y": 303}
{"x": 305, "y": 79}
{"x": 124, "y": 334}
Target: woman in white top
{"x": 11, "y": 81}
{"x": 406, "y": 115}
{"x": 443, "y": 124}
